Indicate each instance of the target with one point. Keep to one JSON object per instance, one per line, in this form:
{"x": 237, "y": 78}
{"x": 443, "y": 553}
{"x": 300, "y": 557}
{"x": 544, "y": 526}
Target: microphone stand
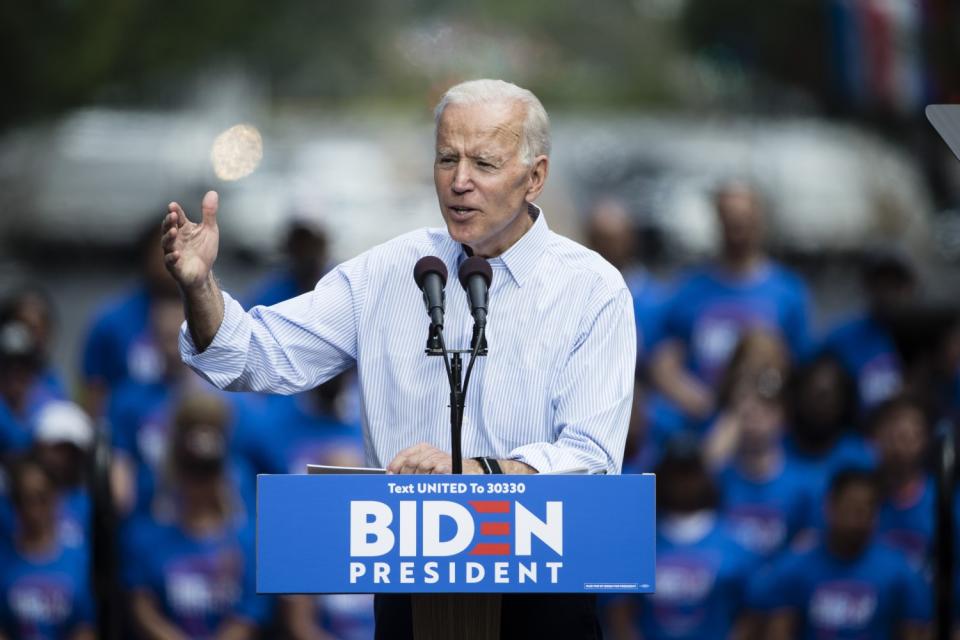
{"x": 453, "y": 362}
{"x": 441, "y": 616}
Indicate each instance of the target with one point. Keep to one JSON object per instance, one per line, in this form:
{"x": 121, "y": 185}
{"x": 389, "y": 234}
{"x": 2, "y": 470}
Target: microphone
{"x": 475, "y": 277}
{"x": 431, "y": 276}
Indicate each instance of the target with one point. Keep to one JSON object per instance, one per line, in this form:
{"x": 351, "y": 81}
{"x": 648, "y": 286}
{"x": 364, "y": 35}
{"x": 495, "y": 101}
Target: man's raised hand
{"x": 190, "y": 248}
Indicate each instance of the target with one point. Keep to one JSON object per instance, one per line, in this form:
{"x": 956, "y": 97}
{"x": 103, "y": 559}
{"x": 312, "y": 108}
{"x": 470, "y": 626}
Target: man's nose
{"x": 462, "y": 177}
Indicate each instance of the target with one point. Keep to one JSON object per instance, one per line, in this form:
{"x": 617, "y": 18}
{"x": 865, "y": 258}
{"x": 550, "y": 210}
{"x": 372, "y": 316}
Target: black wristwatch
{"x": 489, "y": 465}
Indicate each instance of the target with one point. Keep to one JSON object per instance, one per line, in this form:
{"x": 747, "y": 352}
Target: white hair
{"x": 535, "y": 138}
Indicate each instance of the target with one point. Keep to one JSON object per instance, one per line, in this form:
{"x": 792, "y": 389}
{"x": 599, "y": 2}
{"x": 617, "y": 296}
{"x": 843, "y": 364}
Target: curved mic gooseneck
{"x": 475, "y": 276}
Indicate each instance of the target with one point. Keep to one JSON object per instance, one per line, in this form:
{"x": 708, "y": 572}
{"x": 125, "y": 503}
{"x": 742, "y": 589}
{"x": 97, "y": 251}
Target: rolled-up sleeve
{"x": 593, "y": 395}
{"x": 286, "y": 348}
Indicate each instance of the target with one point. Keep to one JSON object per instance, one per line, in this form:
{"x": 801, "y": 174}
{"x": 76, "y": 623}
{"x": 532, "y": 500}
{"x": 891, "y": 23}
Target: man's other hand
{"x": 189, "y": 248}
{"x": 426, "y": 458}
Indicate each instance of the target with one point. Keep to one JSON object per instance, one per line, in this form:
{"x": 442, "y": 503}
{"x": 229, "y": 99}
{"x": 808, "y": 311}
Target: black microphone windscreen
{"x": 475, "y": 265}
{"x": 429, "y": 264}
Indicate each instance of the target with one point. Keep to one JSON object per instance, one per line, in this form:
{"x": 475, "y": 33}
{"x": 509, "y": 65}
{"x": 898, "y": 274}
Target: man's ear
{"x": 538, "y": 177}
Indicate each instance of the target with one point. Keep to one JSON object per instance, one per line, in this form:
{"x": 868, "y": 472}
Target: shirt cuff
{"x": 548, "y": 457}
{"x": 224, "y": 360}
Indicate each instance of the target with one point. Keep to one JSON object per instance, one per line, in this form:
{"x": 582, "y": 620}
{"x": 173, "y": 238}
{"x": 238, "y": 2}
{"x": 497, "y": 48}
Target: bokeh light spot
{"x": 237, "y": 152}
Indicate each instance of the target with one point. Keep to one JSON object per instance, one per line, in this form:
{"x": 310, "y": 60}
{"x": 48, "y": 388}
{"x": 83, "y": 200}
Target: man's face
{"x": 16, "y": 380}
{"x": 36, "y": 500}
{"x": 821, "y": 402}
{"x": 685, "y": 488}
{"x": 483, "y": 186}
{"x": 761, "y": 423}
{"x": 738, "y": 211}
{"x": 32, "y": 311}
{"x": 852, "y": 515}
{"x": 610, "y": 232}
{"x": 901, "y": 439}
{"x": 64, "y": 460}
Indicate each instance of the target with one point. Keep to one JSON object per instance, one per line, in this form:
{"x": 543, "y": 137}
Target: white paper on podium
{"x": 325, "y": 469}
{"x": 320, "y": 469}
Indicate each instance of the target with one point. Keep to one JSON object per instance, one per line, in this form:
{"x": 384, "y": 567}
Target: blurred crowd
{"x": 795, "y": 482}
{"x": 795, "y": 487}
{"x": 129, "y": 504}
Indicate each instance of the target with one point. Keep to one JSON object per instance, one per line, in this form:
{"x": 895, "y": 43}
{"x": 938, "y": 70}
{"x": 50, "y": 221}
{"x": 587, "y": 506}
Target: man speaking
{"x": 554, "y": 392}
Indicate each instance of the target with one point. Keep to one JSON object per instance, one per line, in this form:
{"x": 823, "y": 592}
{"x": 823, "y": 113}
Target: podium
{"x": 470, "y": 538}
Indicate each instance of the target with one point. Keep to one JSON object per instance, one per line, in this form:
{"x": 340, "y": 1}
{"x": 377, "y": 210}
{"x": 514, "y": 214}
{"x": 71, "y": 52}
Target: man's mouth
{"x": 460, "y": 212}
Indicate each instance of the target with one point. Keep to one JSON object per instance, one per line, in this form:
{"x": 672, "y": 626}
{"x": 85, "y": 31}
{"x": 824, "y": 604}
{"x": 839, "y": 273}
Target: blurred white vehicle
{"x": 97, "y": 175}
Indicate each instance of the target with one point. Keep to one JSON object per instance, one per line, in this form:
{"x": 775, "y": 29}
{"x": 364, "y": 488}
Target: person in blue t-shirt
{"x": 702, "y": 572}
{"x": 63, "y": 435}
{"x": 20, "y": 367}
{"x": 820, "y": 439}
{"x": 304, "y": 429}
{"x": 864, "y": 343}
{"x": 714, "y": 304}
{"x": 766, "y": 499}
{"x": 191, "y": 572}
{"x": 760, "y": 365}
{"x": 141, "y": 415}
{"x": 307, "y": 253}
{"x": 44, "y": 584}
{"x": 32, "y": 307}
{"x": 610, "y": 231}
{"x": 900, "y": 432}
{"x": 335, "y": 616}
{"x": 848, "y": 585}
{"x": 118, "y": 346}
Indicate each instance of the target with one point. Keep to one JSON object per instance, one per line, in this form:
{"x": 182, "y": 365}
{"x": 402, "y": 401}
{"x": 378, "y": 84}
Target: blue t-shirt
{"x": 850, "y": 451}
{"x": 909, "y": 524}
{"x": 650, "y": 299}
{"x": 764, "y": 515}
{"x": 49, "y": 386}
{"x": 73, "y": 518}
{"x": 44, "y": 598}
{"x": 140, "y": 416}
{"x": 16, "y": 429}
{"x": 119, "y": 345}
{"x": 700, "y": 588}
{"x": 347, "y": 616}
{"x": 198, "y": 583}
{"x": 867, "y": 352}
{"x": 275, "y": 288}
{"x": 869, "y": 597}
{"x": 710, "y": 311}
{"x": 294, "y": 433}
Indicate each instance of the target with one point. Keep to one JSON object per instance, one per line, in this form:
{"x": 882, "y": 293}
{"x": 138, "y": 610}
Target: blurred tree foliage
{"x": 61, "y": 53}
{"x": 784, "y": 41}
{"x": 791, "y": 42}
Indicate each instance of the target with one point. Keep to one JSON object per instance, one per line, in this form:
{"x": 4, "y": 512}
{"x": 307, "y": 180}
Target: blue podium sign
{"x": 455, "y": 534}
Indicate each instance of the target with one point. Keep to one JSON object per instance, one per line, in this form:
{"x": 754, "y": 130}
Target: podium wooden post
{"x": 442, "y": 616}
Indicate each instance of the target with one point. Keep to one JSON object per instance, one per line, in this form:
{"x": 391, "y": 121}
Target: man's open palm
{"x": 190, "y": 248}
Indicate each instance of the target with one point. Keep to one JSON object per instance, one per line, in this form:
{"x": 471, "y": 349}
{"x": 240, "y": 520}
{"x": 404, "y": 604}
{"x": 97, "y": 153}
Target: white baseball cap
{"x": 63, "y": 421}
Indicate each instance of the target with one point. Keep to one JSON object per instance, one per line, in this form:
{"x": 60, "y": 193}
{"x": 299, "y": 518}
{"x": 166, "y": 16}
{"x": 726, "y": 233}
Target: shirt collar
{"x": 521, "y": 258}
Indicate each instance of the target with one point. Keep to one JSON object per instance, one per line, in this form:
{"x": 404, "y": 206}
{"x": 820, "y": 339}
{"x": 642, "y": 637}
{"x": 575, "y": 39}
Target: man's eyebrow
{"x": 486, "y": 156}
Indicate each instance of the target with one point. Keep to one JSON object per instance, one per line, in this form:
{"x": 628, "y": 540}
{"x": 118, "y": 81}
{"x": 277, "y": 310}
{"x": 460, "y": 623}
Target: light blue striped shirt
{"x": 554, "y": 392}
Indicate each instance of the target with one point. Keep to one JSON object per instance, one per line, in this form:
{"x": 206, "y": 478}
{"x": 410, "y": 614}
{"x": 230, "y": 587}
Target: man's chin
{"x": 462, "y": 233}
